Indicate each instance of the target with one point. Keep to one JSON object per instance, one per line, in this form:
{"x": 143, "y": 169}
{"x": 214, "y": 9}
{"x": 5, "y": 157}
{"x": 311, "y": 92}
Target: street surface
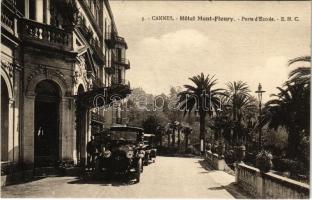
{"x": 168, "y": 177}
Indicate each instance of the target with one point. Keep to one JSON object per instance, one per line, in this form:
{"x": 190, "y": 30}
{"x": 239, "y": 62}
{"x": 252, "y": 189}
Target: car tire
{"x": 138, "y": 170}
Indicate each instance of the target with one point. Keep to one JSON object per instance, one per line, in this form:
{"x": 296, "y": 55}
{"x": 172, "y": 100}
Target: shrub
{"x": 230, "y": 157}
{"x": 264, "y": 161}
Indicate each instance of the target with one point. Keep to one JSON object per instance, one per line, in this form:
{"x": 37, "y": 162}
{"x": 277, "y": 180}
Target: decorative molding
{"x": 8, "y": 66}
{"x": 11, "y": 101}
{"x": 42, "y": 72}
{"x": 80, "y": 73}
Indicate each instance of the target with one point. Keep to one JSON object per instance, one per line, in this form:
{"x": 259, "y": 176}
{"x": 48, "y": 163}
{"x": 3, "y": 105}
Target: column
{"x": 39, "y": 11}
{"x": 67, "y": 130}
{"x": 74, "y": 131}
{"x": 28, "y": 130}
{"x": 10, "y": 130}
{"x": 47, "y": 15}
{"x": 27, "y": 9}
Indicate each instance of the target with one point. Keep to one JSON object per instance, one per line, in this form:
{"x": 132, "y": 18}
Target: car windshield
{"x": 124, "y": 135}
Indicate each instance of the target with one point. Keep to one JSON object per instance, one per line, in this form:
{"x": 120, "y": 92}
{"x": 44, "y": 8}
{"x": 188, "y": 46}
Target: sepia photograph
{"x": 149, "y": 99}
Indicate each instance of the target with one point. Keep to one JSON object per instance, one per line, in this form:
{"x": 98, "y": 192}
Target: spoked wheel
{"x": 138, "y": 170}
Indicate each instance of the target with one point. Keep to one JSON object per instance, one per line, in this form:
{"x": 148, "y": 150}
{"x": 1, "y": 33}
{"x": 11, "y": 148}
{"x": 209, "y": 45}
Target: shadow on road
{"x": 28, "y": 180}
{"x": 204, "y": 165}
{"x": 233, "y": 189}
{"x": 116, "y": 181}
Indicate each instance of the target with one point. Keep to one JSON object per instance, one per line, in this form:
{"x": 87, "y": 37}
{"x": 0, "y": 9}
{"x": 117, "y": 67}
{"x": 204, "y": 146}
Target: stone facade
{"x": 50, "y": 57}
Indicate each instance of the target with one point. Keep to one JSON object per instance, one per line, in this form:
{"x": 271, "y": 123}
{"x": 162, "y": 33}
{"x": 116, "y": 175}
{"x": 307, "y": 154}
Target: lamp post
{"x": 219, "y": 113}
{"x": 259, "y": 92}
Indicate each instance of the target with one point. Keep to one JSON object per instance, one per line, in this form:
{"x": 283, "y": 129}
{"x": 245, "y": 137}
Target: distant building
{"x": 56, "y": 57}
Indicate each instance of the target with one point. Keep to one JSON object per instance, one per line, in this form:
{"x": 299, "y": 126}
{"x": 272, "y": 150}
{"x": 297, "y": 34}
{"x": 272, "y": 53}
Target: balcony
{"x": 96, "y": 81}
{"x": 112, "y": 39}
{"x": 88, "y": 35}
{"x": 121, "y": 40}
{"x": 97, "y": 118}
{"x": 90, "y": 15}
{"x": 8, "y": 18}
{"x": 109, "y": 40}
{"x": 119, "y": 81}
{"x": 96, "y": 47}
{"x": 110, "y": 70}
{"x": 12, "y": 2}
{"x": 124, "y": 62}
{"x": 45, "y": 35}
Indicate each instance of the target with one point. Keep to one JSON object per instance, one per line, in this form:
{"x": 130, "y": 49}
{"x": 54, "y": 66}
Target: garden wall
{"x": 214, "y": 161}
{"x": 269, "y": 185}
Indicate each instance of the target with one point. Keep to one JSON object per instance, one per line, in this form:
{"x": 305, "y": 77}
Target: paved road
{"x": 169, "y": 177}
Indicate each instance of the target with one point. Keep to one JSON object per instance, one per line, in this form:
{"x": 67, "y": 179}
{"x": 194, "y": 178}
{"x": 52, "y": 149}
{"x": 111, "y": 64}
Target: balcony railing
{"x": 109, "y": 69}
{"x": 93, "y": 21}
{"x": 97, "y": 118}
{"x": 95, "y": 44}
{"x": 8, "y": 20}
{"x": 97, "y": 49}
{"x": 112, "y": 39}
{"x": 109, "y": 39}
{"x": 12, "y": 2}
{"x": 119, "y": 81}
{"x": 123, "y": 61}
{"x": 97, "y": 82}
{"x": 120, "y": 40}
{"x": 46, "y": 35}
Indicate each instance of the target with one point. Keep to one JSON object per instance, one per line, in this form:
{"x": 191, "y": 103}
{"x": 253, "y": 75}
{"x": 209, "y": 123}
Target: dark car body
{"x": 149, "y": 148}
{"x": 120, "y": 151}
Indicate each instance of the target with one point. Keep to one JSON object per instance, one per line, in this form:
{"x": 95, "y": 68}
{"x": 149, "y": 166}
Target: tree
{"x": 153, "y": 124}
{"x": 301, "y": 74}
{"x": 201, "y": 98}
{"x": 172, "y": 112}
{"x": 290, "y": 109}
{"x": 240, "y": 107}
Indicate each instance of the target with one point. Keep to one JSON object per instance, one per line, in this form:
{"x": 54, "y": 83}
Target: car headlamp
{"x": 129, "y": 154}
{"x": 141, "y": 153}
{"x": 107, "y": 154}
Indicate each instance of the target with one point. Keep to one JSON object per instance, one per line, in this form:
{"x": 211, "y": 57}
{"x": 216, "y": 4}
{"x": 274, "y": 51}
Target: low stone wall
{"x": 269, "y": 185}
{"x": 214, "y": 161}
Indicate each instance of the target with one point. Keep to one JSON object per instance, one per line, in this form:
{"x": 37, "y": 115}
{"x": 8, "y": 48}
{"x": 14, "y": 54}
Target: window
{"x": 32, "y": 9}
{"x": 4, "y": 121}
{"x": 119, "y": 54}
{"x": 119, "y": 76}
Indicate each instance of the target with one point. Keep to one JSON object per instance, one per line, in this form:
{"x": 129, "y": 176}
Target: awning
{"x": 102, "y": 96}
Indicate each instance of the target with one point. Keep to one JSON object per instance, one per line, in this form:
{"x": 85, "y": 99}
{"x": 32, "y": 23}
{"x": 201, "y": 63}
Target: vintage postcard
{"x": 155, "y": 99}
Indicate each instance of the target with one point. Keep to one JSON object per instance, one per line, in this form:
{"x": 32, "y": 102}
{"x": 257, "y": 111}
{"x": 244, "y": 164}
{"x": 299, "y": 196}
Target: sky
{"x": 167, "y": 53}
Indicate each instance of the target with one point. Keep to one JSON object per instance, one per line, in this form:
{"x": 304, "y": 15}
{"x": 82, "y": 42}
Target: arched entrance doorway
{"x": 46, "y": 124}
{"x": 81, "y": 129}
{"x": 4, "y": 121}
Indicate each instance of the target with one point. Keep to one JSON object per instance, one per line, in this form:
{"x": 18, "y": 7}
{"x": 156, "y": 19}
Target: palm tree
{"x": 201, "y": 98}
{"x": 290, "y": 109}
{"x": 301, "y": 74}
{"x": 240, "y": 105}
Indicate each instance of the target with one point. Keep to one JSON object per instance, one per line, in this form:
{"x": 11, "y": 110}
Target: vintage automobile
{"x": 121, "y": 151}
{"x": 149, "y": 148}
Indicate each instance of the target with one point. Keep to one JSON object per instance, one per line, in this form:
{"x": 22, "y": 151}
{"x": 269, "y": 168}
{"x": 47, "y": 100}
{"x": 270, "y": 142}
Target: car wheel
{"x": 138, "y": 170}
